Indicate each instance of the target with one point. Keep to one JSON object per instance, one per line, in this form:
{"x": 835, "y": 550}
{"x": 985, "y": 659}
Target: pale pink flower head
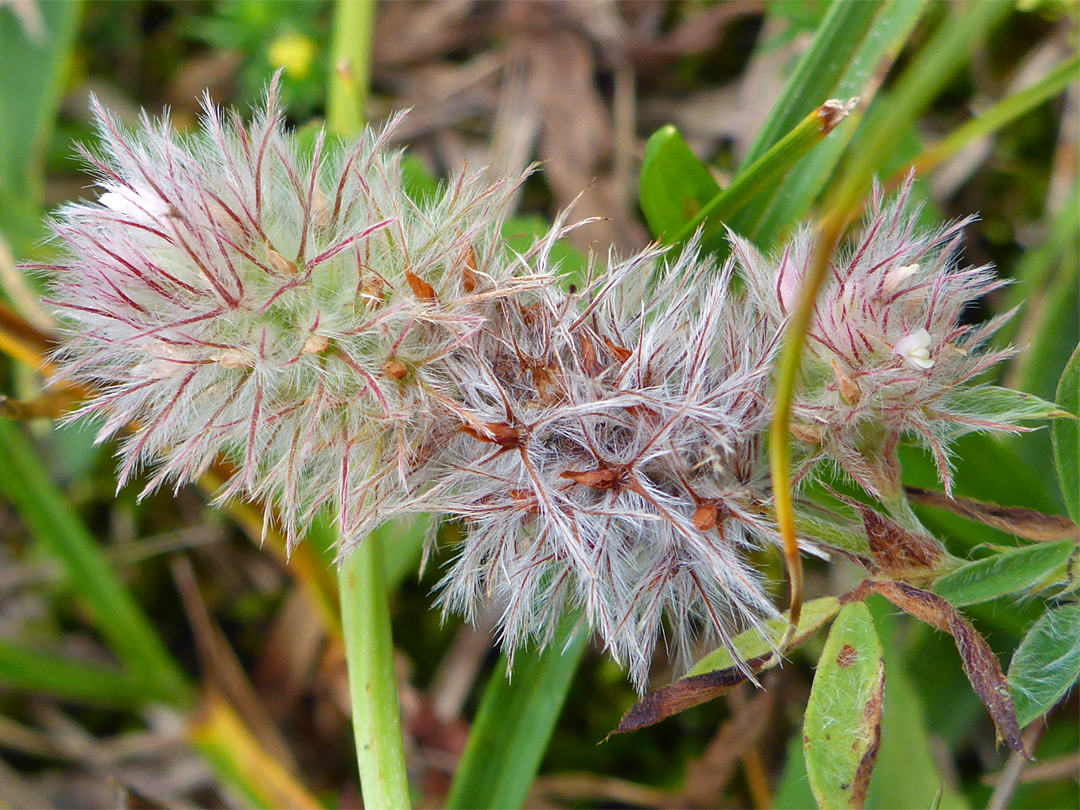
{"x": 888, "y": 353}
{"x": 238, "y": 292}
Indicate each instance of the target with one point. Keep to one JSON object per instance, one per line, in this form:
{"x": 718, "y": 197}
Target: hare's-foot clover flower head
{"x": 887, "y": 350}
{"x": 610, "y": 462}
{"x": 235, "y": 292}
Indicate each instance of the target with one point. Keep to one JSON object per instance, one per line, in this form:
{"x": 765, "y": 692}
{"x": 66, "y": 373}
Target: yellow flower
{"x": 294, "y": 53}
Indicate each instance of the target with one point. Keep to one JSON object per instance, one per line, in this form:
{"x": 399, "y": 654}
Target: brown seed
{"x": 500, "y": 433}
{"x": 849, "y": 389}
{"x": 621, "y": 354}
{"x": 421, "y": 289}
{"x": 279, "y": 264}
{"x": 395, "y": 370}
{"x": 372, "y": 289}
{"x": 603, "y": 478}
{"x": 706, "y": 516}
{"x": 468, "y": 272}
{"x": 808, "y": 434}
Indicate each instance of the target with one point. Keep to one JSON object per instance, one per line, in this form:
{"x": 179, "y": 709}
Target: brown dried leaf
{"x": 686, "y": 693}
{"x": 1025, "y": 523}
{"x": 981, "y": 666}
{"x": 500, "y": 433}
{"x": 897, "y": 552}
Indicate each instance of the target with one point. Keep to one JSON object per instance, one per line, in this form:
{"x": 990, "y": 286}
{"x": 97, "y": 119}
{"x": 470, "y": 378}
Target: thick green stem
{"x": 369, "y": 651}
{"x": 350, "y": 65}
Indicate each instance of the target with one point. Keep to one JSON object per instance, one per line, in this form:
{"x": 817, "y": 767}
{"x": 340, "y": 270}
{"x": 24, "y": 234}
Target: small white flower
{"x": 895, "y": 277}
{"x": 915, "y": 349}
{"x": 137, "y": 204}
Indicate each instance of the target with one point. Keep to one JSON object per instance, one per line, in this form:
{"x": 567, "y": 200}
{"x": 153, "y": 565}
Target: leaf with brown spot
{"x": 421, "y": 289}
{"x": 842, "y": 725}
{"x": 899, "y": 553}
{"x": 981, "y": 666}
{"x": 1025, "y": 523}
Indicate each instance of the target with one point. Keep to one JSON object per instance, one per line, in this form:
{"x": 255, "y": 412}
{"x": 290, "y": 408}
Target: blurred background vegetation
{"x": 151, "y": 654}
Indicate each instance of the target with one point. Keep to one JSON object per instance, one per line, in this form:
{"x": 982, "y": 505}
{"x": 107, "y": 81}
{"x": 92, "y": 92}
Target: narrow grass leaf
{"x": 1007, "y": 573}
{"x": 842, "y": 725}
{"x": 675, "y": 185}
{"x": 116, "y": 614}
{"x": 878, "y": 47}
{"x": 32, "y": 671}
{"x": 763, "y": 173}
{"x": 1066, "y": 436}
{"x": 514, "y": 723}
{"x": 999, "y": 115}
{"x": 1046, "y": 665}
{"x": 238, "y": 759}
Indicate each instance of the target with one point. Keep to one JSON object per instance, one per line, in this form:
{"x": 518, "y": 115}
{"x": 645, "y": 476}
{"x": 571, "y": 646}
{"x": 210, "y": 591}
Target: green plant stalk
{"x": 350, "y": 65}
{"x": 365, "y": 611}
{"x": 1004, "y": 112}
{"x": 515, "y": 722}
{"x": 116, "y": 614}
{"x": 762, "y": 174}
{"x": 369, "y": 653}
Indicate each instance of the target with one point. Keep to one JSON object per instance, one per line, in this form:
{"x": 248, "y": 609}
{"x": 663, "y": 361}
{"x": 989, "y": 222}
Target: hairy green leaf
{"x": 751, "y": 644}
{"x": 1009, "y": 572}
{"x": 842, "y": 726}
{"x": 1046, "y": 665}
{"x": 1066, "y": 433}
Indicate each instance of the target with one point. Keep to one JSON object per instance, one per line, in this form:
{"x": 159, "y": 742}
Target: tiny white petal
{"x": 895, "y": 277}
{"x": 915, "y": 349}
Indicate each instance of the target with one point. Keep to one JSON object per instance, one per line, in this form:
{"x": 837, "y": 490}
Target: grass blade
{"x": 880, "y": 46}
{"x": 33, "y": 671}
{"x": 514, "y": 725}
{"x": 1004, "y": 112}
{"x": 55, "y": 525}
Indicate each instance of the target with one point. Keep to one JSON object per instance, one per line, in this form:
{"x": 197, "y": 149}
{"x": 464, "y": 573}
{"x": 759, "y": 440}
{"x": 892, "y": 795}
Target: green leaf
{"x": 992, "y": 404}
{"x": 1003, "y": 574}
{"x": 34, "y": 76}
{"x": 675, "y": 185}
{"x": 836, "y": 39}
{"x": 1066, "y": 435}
{"x": 514, "y": 724}
{"x": 33, "y": 671}
{"x": 842, "y": 726}
{"x": 1046, "y": 665}
{"x": 54, "y": 524}
{"x": 751, "y": 644}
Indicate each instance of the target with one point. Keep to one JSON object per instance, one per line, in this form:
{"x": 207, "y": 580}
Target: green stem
{"x": 369, "y": 652}
{"x": 365, "y": 612}
{"x": 350, "y": 65}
